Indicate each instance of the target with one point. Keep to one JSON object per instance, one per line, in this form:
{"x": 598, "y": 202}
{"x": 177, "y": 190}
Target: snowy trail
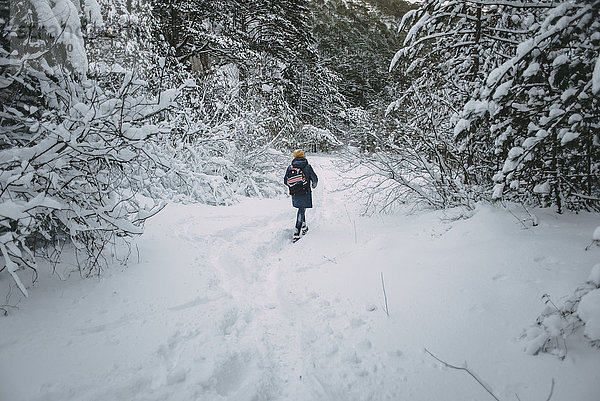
{"x": 222, "y": 306}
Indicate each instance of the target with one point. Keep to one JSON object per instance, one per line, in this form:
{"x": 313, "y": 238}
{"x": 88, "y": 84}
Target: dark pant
{"x": 301, "y": 217}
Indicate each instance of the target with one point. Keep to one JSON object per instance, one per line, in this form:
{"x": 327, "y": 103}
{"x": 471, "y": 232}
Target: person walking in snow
{"x": 300, "y": 179}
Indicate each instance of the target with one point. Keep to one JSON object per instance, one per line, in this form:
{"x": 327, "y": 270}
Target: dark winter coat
{"x": 303, "y": 199}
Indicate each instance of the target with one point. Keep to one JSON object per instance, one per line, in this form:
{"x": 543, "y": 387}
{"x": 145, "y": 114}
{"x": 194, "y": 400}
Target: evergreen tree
{"x": 356, "y": 41}
{"x": 504, "y": 86}
{"x": 450, "y": 48}
{"x": 543, "y": 103}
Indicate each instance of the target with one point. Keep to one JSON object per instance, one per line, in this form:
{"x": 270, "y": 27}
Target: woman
{"x": 302, "y": 174}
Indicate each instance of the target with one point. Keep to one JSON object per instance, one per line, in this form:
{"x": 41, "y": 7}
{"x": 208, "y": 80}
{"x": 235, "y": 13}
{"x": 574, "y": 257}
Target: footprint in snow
{"x": 228, "y": 322}
{"x": 231, "y": 373}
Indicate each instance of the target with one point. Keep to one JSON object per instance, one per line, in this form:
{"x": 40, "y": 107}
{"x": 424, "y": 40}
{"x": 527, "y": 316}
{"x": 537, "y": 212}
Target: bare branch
{"x": 466, "y": 370}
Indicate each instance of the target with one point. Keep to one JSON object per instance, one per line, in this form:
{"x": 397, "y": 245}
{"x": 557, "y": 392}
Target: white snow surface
{"x": 596, "y": 234}
{"x": 589, "y": 311}
{"x": 222, "y": 306}
{"x": 531, "y": 70}
{"x": 595, "y": 275}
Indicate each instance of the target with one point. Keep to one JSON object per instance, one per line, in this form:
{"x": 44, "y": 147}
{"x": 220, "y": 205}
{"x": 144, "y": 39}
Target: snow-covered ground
{"x": 222, "y": 306}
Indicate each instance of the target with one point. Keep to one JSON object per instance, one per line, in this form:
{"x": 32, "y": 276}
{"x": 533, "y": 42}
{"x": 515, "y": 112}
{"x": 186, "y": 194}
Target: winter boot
{"x": 304, "y": 228}
{"x": 296, "y": 234}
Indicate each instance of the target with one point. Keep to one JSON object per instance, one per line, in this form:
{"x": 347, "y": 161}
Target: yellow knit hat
{"x": 298, "y": 153}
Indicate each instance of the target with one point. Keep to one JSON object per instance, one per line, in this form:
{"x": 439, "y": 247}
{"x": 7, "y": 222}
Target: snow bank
{"x": 589, "y": 312}
{"x": 596, "y": 234}
{"x": 595, "y": 275}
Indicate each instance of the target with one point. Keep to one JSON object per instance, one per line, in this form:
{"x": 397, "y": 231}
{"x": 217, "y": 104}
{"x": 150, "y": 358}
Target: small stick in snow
{"x": 549, "y": 395}
{"x": 551, "y": 390}
{"x": 515, "y": 216}
{"x": 7, "y": 305}
{"x": 331, "y": 260}
{"x": 387, "y": 312}
{"x": 347, "y": 214}
{"x": 534, "y": 218}
{"x": 353, "y": 222}
{"x": 466, "y": 370}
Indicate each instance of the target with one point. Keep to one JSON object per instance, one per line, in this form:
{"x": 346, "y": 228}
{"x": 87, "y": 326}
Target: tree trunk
{"x": 555, "y": 171}
{"x": 476, "y": 62}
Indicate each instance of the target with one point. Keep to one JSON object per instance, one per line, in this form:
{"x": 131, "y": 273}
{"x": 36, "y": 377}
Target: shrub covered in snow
{"x": 314, "y": 139}
{"x": 221, "y": 144}
{"x": 215, "y": 172}
{"x": 74, "y": 154}
{"x": 580, "y": 312}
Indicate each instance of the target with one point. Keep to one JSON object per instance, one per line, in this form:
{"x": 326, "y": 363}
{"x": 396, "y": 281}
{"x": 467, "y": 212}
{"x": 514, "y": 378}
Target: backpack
{"x": 296, "y": 180}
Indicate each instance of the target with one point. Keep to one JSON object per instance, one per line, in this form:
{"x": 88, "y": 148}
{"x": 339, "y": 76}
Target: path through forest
{"x": 222, "y": 306}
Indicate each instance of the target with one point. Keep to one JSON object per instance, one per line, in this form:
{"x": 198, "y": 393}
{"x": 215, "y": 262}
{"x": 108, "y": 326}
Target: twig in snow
{"x": 515, "y": 216}
{"x": 331, "y": 260}
{"x": 466, "y": 370}
{"x": 551, "y": 390}
{"x": 547, "y": 301}
{"x": 347, "y": 214}
{"x": 534, "y": 218}
{"x": 353, "y": 222}
{"x": 4, "y": 308}
{"x": 387, "y": 312}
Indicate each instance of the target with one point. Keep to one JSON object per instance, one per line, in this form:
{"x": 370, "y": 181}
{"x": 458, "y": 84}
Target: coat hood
{"x": 300, "y": 162}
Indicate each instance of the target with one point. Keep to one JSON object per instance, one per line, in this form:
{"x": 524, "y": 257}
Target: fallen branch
{"x": 387, "y": 312}
{"x": 466, "y": 370}
{"x": 474, "y": 376}
{"x": 551, "y": 391}
{"x": 4, "y": 308}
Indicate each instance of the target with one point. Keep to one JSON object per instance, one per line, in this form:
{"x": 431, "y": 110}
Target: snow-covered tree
{"x": 222, "y": 31}
{"x": 449, "y": 50}
{"x": 122, "y": 33}
{"x": 72, "y": 155}
{"x": 512, "y": 86}
{"x": 543, "y": 104}
{"x": 257, "y": 80}
{"x": 356, "y": 41}
{"x": 578, "y": 313}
